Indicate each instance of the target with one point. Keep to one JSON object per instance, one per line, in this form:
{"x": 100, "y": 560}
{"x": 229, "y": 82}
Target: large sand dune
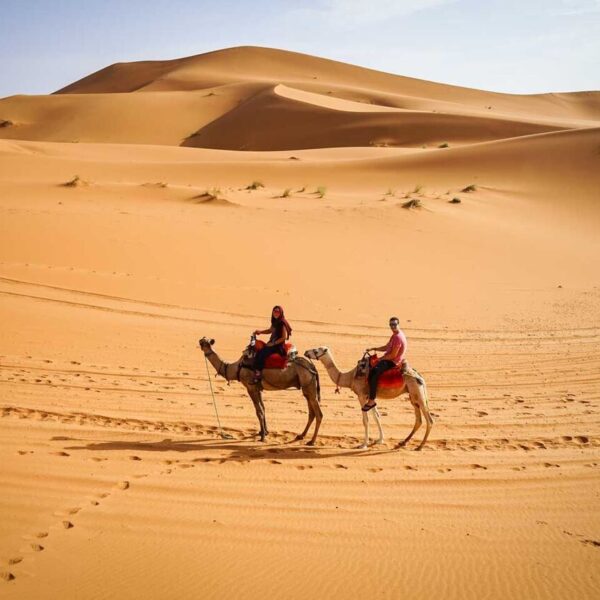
{"x": 119, "y": 251}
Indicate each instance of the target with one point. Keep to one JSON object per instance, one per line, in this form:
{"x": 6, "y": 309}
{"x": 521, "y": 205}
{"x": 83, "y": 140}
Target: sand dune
{"x": 118, "y": 252}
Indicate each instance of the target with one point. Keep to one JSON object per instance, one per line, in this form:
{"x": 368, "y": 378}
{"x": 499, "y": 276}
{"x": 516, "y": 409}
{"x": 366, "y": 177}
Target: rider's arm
{"x": 379, "y": 349}
{"x": 259, "y": 332}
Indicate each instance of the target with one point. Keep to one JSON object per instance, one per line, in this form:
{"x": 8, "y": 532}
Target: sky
{"x": 514, "y": 46}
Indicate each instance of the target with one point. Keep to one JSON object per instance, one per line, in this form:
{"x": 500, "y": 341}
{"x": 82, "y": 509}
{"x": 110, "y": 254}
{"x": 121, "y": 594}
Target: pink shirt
{"x": 396, "y": 347}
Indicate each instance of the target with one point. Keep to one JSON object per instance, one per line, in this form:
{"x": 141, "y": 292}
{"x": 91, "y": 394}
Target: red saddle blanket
{"x": 392, "y": 378}
{"x": 275, "y": 361}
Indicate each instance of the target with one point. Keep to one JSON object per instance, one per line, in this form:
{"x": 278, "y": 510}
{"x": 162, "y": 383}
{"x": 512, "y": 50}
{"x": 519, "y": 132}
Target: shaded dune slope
{"x": 263, "y": 99}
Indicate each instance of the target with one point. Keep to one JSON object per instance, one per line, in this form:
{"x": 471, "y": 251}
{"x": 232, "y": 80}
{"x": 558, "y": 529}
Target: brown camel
{"x": 299, "y": 373}
{"x": 415, "y": 388}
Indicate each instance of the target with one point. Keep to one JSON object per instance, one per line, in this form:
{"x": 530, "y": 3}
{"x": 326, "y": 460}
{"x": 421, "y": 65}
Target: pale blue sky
{"x": 517, "y": 46}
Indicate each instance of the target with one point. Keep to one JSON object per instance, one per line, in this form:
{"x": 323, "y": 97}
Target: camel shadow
{"x": 237, "y": 451}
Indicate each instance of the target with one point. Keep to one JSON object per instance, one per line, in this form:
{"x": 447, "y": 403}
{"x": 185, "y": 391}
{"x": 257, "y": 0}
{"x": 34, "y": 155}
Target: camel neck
{"x": 227, "y": 370}
{"x": 339, "y": 378}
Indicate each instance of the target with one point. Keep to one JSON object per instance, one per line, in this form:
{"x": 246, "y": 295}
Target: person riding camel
{"x": 394, "y": 350}
{"x": 280, "y": 331}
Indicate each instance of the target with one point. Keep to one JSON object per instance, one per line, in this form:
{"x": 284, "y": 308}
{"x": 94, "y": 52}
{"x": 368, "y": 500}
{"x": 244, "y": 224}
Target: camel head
{"x": 317, "y": 353}
{"x": 205, "y": 344}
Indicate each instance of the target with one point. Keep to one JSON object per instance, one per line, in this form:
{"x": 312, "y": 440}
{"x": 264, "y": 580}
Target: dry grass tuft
{"x": 412, "y": 203}
{"x": 75, "y": 182}
{"x": 255, "y": 185}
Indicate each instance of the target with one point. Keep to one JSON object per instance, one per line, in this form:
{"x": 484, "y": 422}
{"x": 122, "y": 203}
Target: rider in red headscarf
{"x": 280, "y": 331}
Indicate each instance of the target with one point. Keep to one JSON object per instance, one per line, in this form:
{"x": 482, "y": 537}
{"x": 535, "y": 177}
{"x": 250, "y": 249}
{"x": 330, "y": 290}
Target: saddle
{"x": 391, "y": 378}
{"x": 277, "y": 361}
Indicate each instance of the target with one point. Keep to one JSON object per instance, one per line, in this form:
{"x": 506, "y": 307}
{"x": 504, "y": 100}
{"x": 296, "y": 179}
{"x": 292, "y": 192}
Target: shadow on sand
{"x": 237, "y": 450}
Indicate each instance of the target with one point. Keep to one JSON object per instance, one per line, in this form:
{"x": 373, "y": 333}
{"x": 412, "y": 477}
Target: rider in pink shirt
{"x": 394, "y": 350}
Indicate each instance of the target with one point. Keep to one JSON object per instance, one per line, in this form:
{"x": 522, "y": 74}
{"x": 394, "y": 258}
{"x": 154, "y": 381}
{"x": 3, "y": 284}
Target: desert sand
{"x": 128, "y": 232}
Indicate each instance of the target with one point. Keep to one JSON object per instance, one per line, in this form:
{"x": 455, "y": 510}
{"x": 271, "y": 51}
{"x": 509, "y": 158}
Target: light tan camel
{"x": 417, "y": 393}
{"x": 300, "y": 373}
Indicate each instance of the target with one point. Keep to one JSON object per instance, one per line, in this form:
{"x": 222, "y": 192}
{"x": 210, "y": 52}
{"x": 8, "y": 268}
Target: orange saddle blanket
{"x": 391, "y": 378}
{"x": 275, "y": 361}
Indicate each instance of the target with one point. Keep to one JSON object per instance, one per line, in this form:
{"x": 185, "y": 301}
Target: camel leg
{"x": 311, "y": 417}
{"x": 416, "y": 426}
{"x": 424, "y": 406}
{"x": 318, "y": 414}
{"x": 264, "y": 413}
{"x": 365, "y": 418}
{"x": 377, "y": 416}
{"x": 256, "y": 398}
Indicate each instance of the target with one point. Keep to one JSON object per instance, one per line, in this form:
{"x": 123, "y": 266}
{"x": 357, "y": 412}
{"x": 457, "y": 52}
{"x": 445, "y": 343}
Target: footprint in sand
{"x": 59, "y": 454}
{"x": 594, "y": 543}
{"x": 6, "y": 576}
{"x": 94, "y": 502}
{"x": 134, "y": 458}
{"x": 409, "y": 468}
{"x": 582, "y": 439}
{"x": 477, "y": 466}
{"x": 67, "y": 524}
{"x": 549, "y": 465}
{"x": 41, "y": 534}
{"x": 275, "y": 462}
{"x": 74, "y": 511}
{"x": 15, "y": 560}
{"x": 123, "y": 485}
{"x": 303, "y": 467}
{"x": 375, "y": 469}
{"x": 36, "y": 547}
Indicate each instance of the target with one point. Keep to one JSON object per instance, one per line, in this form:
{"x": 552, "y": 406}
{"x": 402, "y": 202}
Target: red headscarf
{"x": 281, "y": 319}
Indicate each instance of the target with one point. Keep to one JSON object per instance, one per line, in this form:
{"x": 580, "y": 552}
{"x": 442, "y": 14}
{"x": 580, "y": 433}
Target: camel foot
{"x": 298, "y": 437}
{"x": 311, "y": 443}
{"x": 418, "y": 448}
{"x": 378, "y": 442}
{"x": 400, "y": 445}
{"x": 362, "y": 447}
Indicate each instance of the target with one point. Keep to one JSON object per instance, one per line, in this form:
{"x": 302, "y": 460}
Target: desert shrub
{"x": 255, "y": 185}
{"x": 412, "y": 203}
{"x": 75, "y": 182}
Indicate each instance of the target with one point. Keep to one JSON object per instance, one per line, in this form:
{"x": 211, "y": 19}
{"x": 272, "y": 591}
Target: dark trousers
{"x": 375, "y": 372}
{"x": 261, "y": 357}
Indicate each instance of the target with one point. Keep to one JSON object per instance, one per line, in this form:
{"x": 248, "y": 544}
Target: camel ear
{"x": 211, "y": 341}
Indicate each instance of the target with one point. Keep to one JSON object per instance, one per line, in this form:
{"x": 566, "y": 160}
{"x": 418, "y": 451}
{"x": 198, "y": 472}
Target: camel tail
{"x": 318, "y": 386}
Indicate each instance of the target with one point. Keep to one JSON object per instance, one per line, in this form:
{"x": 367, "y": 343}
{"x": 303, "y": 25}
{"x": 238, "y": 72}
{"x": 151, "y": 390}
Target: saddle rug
{"x": 276, "y": 361}
{"x": 391, "y": 378}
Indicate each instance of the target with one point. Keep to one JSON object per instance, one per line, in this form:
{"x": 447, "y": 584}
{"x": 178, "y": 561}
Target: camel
{"x": 299, "y": 373}
{"x": 416, "y": 390}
